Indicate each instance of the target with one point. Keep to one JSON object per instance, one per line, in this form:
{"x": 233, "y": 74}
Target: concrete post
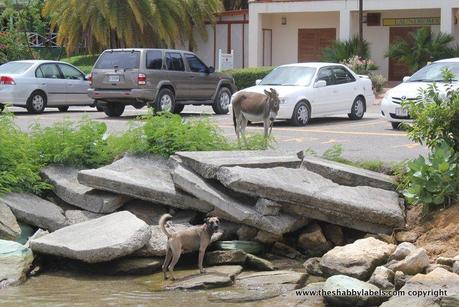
{"x": 447, "y": 20}
{"x": 255, "y": 39}
{"x": 344, "y": 25}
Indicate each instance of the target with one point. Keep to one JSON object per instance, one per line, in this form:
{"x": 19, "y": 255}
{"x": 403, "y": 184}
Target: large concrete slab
{"x": 363, "y": 208}
{"x": 233, "y": 209}
{"x": 144, "y": 177}
{"x": 66, "y": 186}
{"x": 9, "y": 227}
{"x": 207, "y": 163}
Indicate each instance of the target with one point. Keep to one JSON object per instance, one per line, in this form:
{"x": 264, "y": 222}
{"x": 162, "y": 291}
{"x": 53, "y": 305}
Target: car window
{"x": 326, "y": 74}
{"x": 342, "y": 75}
{"x": 154, "y": 59}
{"x": 119, "y": 60}
{"x": 174, "y": 61}
{"x": 15, "y": 67}
{"x": 71, "y": 73}
{"x": 48, "y": 71}
{"x": 196, "y": 65}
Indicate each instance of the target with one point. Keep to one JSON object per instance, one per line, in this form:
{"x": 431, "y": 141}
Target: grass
{"x": 83, "y": 62}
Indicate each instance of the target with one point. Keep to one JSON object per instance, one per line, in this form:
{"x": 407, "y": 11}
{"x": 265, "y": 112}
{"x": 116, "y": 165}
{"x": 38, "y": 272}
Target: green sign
{"x": 415, "y": 21}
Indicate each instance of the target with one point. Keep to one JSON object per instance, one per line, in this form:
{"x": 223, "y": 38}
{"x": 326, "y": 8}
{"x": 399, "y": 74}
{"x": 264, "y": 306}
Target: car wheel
{"x": 395, "y": 125}
{"x": 165, "y": 102}
{"x": 222, "y": 101}
{"x": 36, "y": 103}
{"x": 63, "y": 108}
{"x": 114, "y": 110}
{"x": 358, "y": 109}
{"x": 99, "y": 109}
{"x": 2, "y": 107}
{"x": 301, "y": 114}
{"x": 178, "y": 108}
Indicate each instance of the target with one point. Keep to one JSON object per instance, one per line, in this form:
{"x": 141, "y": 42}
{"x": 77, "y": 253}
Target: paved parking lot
{"x": 367, "y": 139}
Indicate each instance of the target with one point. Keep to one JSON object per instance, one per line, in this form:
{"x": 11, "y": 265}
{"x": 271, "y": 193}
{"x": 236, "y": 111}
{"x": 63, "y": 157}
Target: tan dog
{"x": 191, "y": 239}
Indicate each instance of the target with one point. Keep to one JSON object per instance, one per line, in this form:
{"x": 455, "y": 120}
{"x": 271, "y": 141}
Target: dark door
{"x": 311, "y": 42}
{"x": 397, "y": 69}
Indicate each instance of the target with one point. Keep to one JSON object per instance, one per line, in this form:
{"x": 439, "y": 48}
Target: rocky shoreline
{"x": 336, "y": 219}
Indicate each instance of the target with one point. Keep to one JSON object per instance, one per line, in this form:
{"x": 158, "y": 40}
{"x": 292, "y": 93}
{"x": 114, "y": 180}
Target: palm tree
{"x": 422, "y": 47}
{"x": 341, "y": 51}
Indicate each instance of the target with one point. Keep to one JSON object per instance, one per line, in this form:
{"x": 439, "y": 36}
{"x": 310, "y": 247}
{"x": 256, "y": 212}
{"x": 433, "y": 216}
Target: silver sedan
{"x": 36, "y": 85}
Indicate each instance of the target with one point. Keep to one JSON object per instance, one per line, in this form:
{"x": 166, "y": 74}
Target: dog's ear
{"x": 206, "y": 220}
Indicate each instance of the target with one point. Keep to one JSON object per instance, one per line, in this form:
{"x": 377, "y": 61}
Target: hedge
{"x": 246, "y": 77}
{"x": 83, "y": 62}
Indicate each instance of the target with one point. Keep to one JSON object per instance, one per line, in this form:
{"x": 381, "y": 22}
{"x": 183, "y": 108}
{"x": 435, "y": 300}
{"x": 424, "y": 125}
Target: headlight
{"x": 283, "y": 100}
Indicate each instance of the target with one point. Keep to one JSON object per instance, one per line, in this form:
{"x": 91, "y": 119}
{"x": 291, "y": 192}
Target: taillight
{"x": 90, "y": 79}
{"x": 142, "y": 79}
{"x": 7, "y": 80}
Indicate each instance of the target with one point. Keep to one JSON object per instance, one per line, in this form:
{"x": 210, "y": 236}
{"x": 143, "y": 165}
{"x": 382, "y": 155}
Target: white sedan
{"x": 391, "y": 106}
{"x": 311, "y": 90}
{"x": 36, "y": 85}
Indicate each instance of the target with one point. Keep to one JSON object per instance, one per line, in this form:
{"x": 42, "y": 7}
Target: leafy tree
{"x": 422, "y": 47}
{"x": 341, "y": 51}
{"x": 231, "y": 5}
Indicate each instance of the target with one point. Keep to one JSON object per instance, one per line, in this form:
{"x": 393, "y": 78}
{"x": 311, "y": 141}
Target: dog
{"x": 191, "y": 239}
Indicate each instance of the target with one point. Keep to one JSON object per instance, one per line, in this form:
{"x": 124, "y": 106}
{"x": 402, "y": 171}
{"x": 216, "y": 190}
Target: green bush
{"x": 246, "y": 77}
{"x": 83, "y": 62}
{"x": 13, "y": 47}
{"x": 341, "y": 51}
{"x": 378, "y": 82}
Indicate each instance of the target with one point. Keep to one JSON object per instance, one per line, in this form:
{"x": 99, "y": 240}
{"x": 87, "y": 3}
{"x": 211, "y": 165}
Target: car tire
{"x": 63, "y": 108}
{"x": 99, "y": 109}
{"x": 2, "y": 107}
{"x": 177, "y": 108}
{"x": 36, "y": 103}
{"x": 395, "y": 125}
{"x": 114, "y": 110}
{"x": 222, "y": 101}
{"x": 301, "y": 114}
{"x": 165, "y": 101}
{"x": 358, "y": 109}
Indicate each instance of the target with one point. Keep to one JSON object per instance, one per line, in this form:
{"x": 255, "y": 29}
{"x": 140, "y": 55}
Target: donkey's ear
{"x": 267, "y": 93}
{"x": 274, "y": 92}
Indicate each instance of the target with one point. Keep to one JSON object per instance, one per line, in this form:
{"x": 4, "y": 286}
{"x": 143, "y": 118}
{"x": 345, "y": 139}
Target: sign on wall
{"x": 415, "y": 21}
{"x": 225, "y": 60}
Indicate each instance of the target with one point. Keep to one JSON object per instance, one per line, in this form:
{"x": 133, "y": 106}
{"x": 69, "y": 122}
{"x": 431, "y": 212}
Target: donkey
{"x": 255, "y": 107}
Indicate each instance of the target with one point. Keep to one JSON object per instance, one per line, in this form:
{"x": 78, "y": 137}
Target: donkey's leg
{"x": 244, "y": 122}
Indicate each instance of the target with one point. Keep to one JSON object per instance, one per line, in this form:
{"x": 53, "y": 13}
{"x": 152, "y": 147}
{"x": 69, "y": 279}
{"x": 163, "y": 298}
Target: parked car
{"x": 164, "y": 79}
{"x": 391, "y": 108}
{"x": 37, "y": 85}
{"x": 310, "y": 90}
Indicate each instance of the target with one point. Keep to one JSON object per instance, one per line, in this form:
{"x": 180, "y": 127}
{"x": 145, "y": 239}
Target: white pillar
{"x": 447, "y": 20}
{"x": 344, "y": 25}
{"x": 255, "y": 39}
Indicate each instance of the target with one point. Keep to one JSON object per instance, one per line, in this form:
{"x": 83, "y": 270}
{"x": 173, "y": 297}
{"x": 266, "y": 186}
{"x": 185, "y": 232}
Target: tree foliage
{"x": 341, "y": 51}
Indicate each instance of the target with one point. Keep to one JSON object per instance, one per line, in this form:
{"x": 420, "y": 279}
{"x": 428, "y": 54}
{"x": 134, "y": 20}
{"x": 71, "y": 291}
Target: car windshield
{"x": 14, "y": 68}
{"x": 434, "y": 72}
{"x": 290, "y": 75}
{"x": 119, "y": 60}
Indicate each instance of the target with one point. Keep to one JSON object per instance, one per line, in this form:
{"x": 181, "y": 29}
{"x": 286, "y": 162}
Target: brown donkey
{"x": 255, "y": 107}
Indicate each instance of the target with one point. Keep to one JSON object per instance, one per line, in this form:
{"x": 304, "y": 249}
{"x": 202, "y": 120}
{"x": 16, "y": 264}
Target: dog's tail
{"x": 162, "y": 223}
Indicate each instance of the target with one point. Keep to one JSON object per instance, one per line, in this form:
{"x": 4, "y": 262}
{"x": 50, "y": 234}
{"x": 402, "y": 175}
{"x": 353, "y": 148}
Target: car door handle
{"x": 43, "y": 84}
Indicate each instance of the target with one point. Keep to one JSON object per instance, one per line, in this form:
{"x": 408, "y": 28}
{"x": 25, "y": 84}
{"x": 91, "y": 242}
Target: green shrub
{"x": 434, "y": 181}
{"x": 341, "y": 51}
{"x": 13, "y": 46}
{"x": 246, "y": 77}
{"x": 83, "y": 62}
{"x": 378, "y": 82}
{"x": 360, "y": 66}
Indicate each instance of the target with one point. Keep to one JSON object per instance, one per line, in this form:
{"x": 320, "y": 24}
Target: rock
{"x": 351, "y": 292}
{"x": 257, "y": 263}
{"x": 148, "y": 178}
{"x": 79, "y": 216}
{"x": 382, "y": 278}
{"x": 249, "y": 247}
{"x": 282, "y": 279}
{"x": 382, "y": 237}
{"x": 312, "y": 266}
{"x": 445, "y": 261}
{"x": 358, "y": 259}
{"x": 225, "y": 257}
{"x": 292, "y": 299}
{"x": 406, "y": 236}
{"x": 26, "y": 232}
{"x": 413, "y": 264}
{"x": 230, "y": 270}
{"x": 202, "y": 281}
{"x": 148, "y": 212}
{"x": 363, "y": 208}
{"x": 284, "y": 250}
{"x": 400, "y": 279}
{"x": 232, "y": 209}
{"x": 106, "y": 238}
{"x": 267, "y": 207}
{"x": 229, "y": 230}
{"x": 38, "y": 234}
{"x": 35, "y": 211}
{"x": 130, "y": 266}
{"x": 403, "y": 250}
{"x": 432, "y": 267}
{"x": 246, "y": 233}
{"x": 334, "y": 233}
{"x": 15, "y": 262}
{"x": 9, "y": 227}
{"x": 433, "y": 287}
{"x": 450, "y": 301}
{"x": 242, "y": 295}
{"x": 157, "y": 243}
{"x": 313, "y": 242}
{"x": 207, "y": 163}
{"x": 66, "y": 186}
{"x": 456, "y": 267}
{"x": 267, "y": 237}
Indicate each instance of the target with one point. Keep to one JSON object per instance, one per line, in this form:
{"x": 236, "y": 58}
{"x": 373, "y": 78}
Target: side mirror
{"x": 406, "y": 78}
{"x": 211, "y": 70}
{"x": 258, "y": 81}
{"x": 320, "y": 83}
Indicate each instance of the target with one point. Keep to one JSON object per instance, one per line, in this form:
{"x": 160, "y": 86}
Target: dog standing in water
{"x": 191, "y": 239}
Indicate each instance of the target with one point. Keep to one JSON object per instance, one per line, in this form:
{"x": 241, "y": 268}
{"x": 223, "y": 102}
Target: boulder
{"x": 146, "y": 211}
{"x": 313, "y": 242}
{"x": 38, "y": 234}
{"x": 456, "y": 267}
{"x": 416, "y": 262}
{"x": 312, "y": 266}
{"x": 267, "y": 207}
{"x": 66, "y": 186}
{"x": 342, "y": 290}
{"x": 358, "y": 259}
{"x": 202, "y": 281}
{"x": 400, "y": 279}
{"x": 383, "y": 278}
{"x": 231, "y": 208}
{"x": 79, "y": 216}
{"x": 403, "y": 250}
{"x": 106, "y": 238}
{"x": 347, "y": 175}
{"x": 363, "y": 208}
{"x": 157, "y": 242}
{"x": 15, "y": 262}
{"x": 445, "y": 261}
{"x": 242, "y": 295}
{"x": 130, "y": 266}
{"x": 35, "y": 211}
{"x": 207, "y": 163}
{"x": 267, "y": 237}
{"x": 284, "y": 250}
{"x": 225, "y": 257}
{"x": 283, "y": 279}
{"x": 334, "y": 233}
{"x": 257, "y": 263}
{"x": 292, "y": 299}
{"x": 246, "y": 233}
{"x": 230, "y": 270}
{"x": 434, "y": 266}
{"x": 147, "y": 177}
{"x": 9, "y": 227}
{"x": 406, "y": 236}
